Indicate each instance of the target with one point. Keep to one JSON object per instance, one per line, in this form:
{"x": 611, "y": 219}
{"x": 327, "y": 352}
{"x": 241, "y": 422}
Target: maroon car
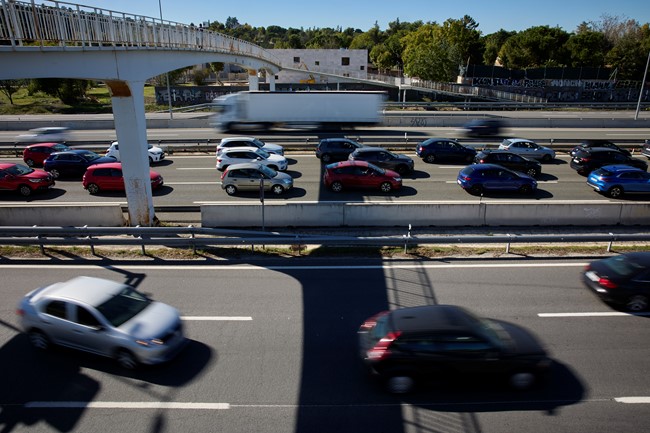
{"x": 360, "y": 174}
{"x": 35, "y": 154}
{"x": 25, "y": 180}
{"x": 108, "y": 177}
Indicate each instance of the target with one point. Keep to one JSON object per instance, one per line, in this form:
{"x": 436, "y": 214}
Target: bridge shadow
{"x": 48, "y": 194}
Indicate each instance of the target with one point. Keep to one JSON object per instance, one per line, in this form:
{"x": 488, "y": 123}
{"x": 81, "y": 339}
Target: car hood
{"x": 282, "y": 176}
{"x": 404, "y": 158}
{"x": 36, "y": 174}
{"x": 276, "y": 158}
{"x": 152, "y": 322}
{"x": 520, "y": 341}
{"x": 270, "y": 147}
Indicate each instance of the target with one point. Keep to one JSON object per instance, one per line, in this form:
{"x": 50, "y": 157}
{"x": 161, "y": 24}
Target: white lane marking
{"x": 633, "y": 400}
{"x": 217, "y": 318}
{"x": 124, "y": 405}
{"x": 592, "y": 314}
{"x": 226, "y": 267}
{"x": 539, "y": 181}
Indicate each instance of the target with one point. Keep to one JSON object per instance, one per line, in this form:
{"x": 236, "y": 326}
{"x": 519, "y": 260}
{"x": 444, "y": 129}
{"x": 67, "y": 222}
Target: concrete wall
{"x": 62, "y": 215}
{"x": 426, "y": 214}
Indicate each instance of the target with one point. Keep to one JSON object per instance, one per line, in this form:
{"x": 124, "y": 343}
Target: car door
{"x": 115, "y": 180}
{"x": 467, "y": 353}
{"x": 88, "y": 332}
{"x": 54, "y": 319}
{"x": 636, "y": 181}
{"x": 5, "y": 181}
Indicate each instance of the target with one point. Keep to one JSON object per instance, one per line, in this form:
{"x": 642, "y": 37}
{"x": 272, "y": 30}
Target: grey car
{"x": 527, "y": 149}
{"x": 102, "y": 317}
{"x": 383, "y": 158}
{"x": 248, "y": 177}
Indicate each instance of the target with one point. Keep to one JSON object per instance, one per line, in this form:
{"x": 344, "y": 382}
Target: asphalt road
{"x": 274, "y": 350}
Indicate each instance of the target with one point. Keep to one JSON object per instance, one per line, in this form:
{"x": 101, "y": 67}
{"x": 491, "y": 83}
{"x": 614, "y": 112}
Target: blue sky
{"x": 491, "y": 15}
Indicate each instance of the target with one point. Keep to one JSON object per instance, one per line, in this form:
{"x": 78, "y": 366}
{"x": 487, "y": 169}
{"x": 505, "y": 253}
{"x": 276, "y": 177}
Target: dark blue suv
{"x": 444, "y": 149}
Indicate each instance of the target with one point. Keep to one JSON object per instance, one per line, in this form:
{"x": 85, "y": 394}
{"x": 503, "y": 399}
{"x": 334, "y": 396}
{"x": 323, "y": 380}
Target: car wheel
{"x": 93, "y": 188}
{"x": 150, "y": 160}
{"x": 431, "y": 158}
{"x": 326, "y": 158}
{"x": 126, "y": 359}
{"x": 39, "y": 340}
{"x": 277, "y": 189}
{"x": 336, "y": 186}
{"x": 29, "y": 162}
{"x": 526, "y": 189}
{"x": 24, "y": 190}
{"x": 386, "y": 187}
{"x": 532, "y": 172}
{"x": 231, "y": 189}
{"x": 546, "y": 158}
{"x": 55, "y": 173}
{"x": 522, "y": 380}
{"x": 400, "y": 384}
{"x": 401, "y": 169}
{"x": 476, "y": 189}
{"x": 615, "y": 191}
{"x": 637, "y": 303}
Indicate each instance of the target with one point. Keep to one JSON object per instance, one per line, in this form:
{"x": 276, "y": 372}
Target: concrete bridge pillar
{"x": 131, "y": 130}
{"x": 271, "y": 77}
{"x": 253, "y": 80}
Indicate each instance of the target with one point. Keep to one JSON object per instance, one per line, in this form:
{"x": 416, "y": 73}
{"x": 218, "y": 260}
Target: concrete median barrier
{"x": 62, "y": 215}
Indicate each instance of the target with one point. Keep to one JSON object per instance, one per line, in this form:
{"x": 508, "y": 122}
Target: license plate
{"x": 592, "y": 276}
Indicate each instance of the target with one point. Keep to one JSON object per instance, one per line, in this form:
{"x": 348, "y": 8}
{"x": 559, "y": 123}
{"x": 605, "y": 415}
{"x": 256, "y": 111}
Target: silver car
{"x": 527, "y": 149}
{"x": 247, "y": 177}
{"x": 240, "y": 155}
{"x": 102, "y": 317}
{"x": 228, "y": 142}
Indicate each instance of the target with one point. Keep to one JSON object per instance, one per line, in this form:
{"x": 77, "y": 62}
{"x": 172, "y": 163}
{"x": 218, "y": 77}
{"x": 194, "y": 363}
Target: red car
{"x": 35, "y": 154}
{"x": 360, "y": 174}
{"x": 108, "y": 177}
{"x": 25, "y": 180}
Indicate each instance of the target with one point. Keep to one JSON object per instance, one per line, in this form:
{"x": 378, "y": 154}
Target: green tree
{"x": 462, "y": 40}
{"x": 9, "y": 87}
{"x": 492, "y": 44}
{"x": 426, "y": 54}
{"x": 535, "y": 47}
{"x": 587, "y": 48}
{"x": 69, "y": 91}
{"x": 630, "y": 54}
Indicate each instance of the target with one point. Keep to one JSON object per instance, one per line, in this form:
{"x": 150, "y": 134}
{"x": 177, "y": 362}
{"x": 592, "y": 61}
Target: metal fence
{"x": 196, "y": 237}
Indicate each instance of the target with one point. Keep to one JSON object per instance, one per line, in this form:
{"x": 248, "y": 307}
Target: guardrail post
{"x": 192, "y": 237}
{"x": 40, "y": 244}
{"x": 508, "y": 244}
{"x": 90, "y": 241}
{"x": 609, "y": 246}
{"x": 407, "y": 237}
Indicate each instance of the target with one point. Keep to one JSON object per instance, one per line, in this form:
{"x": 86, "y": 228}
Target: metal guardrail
{"x": 194, "y": 237}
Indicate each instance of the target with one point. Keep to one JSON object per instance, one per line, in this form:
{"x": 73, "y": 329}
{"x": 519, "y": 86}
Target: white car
{"x": 156, "y": 154}
{"x": 249, "y": 142}
{"x": 240, "y": 155}
{"x": 49, "y": 134}
{"x": 527, "y": 149}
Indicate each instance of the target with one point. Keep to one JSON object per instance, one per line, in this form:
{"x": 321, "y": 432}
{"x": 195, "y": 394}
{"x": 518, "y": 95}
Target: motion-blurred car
{"x": 228, "y": 142}
{"x": 509, "y": 160}
{"x": 240, "y": 155}
{"x": 479, "y": 178}
{"x": 360, "y": 174}
{"x": 380, "y": 157}
{"x": 528, "y": 149}
{"x": 589, "y": 144}
{"x": 35, "y": 154}
{"x": 407, "y": 346}
{"x": 645, "y": 149}
{"x": 25, "y": 180}
{"x": 617, "y": 180}
{"x": 622, "y": 280}
{"x": 102, "y": 317}
{"x": 444, "y": 150}
{"x": 336, "y": 149}
{"x": 59, "y": 134}
{"x": 483, "y": 127}
{"x": 248, "y": 177}
{"x": 587, "y": 160}
{"x": 73, "y": 163}
{"x": 108, "y": 177}
{"x": 156, "y": 154}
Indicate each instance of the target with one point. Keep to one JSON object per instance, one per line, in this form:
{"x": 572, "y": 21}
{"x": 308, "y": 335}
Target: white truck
{"x": 324, "y": 109}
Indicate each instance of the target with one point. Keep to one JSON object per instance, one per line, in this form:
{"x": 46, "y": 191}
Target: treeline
{"x": 436, "y": 52}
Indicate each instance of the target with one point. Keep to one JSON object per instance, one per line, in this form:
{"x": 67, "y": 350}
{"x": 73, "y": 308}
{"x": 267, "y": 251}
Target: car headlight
{"x": 287, "y": 181}
{"x": 397, "y": 179}
{"x": 150, "y": 342}
{"x": 37, "y": 180}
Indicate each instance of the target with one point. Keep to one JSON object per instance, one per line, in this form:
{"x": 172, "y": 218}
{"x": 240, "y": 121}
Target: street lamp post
{"x": 169, "y": 93}
{"x": 645, "y": 74}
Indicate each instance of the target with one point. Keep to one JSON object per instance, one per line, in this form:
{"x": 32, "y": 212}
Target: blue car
{"x": 616, "y": 180}
{"x": 479, "y": 178}
{"x": 73, "y": 163}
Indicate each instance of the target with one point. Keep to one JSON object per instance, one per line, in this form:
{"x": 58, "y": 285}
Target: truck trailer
{"x": 323, "y": 109}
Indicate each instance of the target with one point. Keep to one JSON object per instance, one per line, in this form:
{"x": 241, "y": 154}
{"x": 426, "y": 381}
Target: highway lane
{"x": 280, "y": 351}
{"x": 193, "y": 179}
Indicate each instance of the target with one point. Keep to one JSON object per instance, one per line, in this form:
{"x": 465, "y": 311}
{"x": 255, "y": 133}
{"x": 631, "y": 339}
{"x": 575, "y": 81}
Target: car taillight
{"x": 381, "y": 349}
{"x": 20, "y": 312}
{"x": 482, "y": 161}
{"x": 464, "y": 177}
{"x": 607, "y": 283}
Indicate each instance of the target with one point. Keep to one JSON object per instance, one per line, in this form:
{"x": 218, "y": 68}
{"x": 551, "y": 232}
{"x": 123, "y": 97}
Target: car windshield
{"x": 507, "y": 142}
{"x": 489, "y": 329}
{"x": 19, "y": 170}
{"x": 258, "y": 143}
{"x": 90, "y": 156}
{"x": 60, "y": 148}
{"x": 124, "y": 306}
{"x": 263, "y": 153}
{"x": 268, "y": 172}
{"x": 377, "y": 169}
{"x": 622, "y": 265}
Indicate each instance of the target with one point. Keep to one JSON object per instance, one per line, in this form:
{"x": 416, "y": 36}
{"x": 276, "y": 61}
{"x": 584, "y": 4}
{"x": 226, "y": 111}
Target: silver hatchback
{"x": 102, "y": 317}
{"x": 249, "y": 176}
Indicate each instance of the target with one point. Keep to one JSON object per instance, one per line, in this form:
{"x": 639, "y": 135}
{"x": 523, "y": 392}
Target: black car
{"x": 483, "y": 127}
{"x": 589, "y": 144}
{"x": 407, "y": 346}
{"x": 622, "y": 280}
{"x": 383, "y": 158}
{"x": 444, "y": 149}
{"x": 335, "y": 149}
{"x": 587, "y": 160}
{"x": 509, "y": 160}
{"x": 645, "y": 149}
{"x": 73, "y": 162}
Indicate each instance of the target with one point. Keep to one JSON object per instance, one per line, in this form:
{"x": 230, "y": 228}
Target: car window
{"x": 421, "y": 345}
{"x": 115, "y": 172}
{"x": 56, "y": 309}
{"x": 462, "y": 343}
{"x": 86, "y": 318}
{"x": 124, "y": 306}
{"x": 102, "y": 172}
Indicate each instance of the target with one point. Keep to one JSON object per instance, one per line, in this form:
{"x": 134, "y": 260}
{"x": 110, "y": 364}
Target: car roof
{"x": 348, "y": 163}
{"x": 239, "y": 149}
{"x": 515, "y": 140}
{"x": 487, "y": 166}
{"x": 243, "y": 165}
{"x": 88, "y": 290}
{"x": 640, "y": 257}
{"x": 227, "y": 139}
{"x": 599, "y": 149}
{"x": 4, "y": 165}
{"x": 48, "y": 144}
{"x": 370, "y": 149}
{"x": 431, "y": 318}
{"x": 620, "y": 168}
{"x": 117, "y": 165}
